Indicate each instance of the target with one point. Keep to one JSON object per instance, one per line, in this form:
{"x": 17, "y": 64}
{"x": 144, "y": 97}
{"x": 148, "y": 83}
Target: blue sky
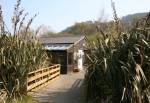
{"x": 59, "y": 14}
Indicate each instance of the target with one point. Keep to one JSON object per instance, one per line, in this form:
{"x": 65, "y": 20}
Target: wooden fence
{"x": 41, "y": 77}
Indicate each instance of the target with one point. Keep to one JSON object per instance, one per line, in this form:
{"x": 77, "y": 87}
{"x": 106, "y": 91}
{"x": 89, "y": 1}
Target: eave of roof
{"x": 63, "y": 40}
{"x": 58, "y": 46}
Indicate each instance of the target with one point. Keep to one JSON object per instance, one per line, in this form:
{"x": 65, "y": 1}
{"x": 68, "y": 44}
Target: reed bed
{"x": 119, "y": 67}
{"x": 20, "y": 53}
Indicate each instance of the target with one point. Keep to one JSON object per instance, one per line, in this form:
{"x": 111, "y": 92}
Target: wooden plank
{"x": 40, "y": 86}
{"x": 42, "y": 75}
{"x": 54, "y": 75}
{"x": 56, "y": 65}
{"x": 38, "y": 70}
{"x": 38, "y": 76}
{"x": 36, "y": 84}
{"x": 51, "y": 72}
{"x": 54, "y": 70}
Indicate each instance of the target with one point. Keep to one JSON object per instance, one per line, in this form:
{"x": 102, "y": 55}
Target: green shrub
{"x": 119, "y": 67}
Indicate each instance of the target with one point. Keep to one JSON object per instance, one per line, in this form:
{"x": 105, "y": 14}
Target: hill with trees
{"x": 89, "y": 27}
{"x": 129, "y": 18}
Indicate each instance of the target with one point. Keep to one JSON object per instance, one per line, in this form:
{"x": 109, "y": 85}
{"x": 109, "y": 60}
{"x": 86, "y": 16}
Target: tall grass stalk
{"x": 20, "y": 53}
{"x": 119, "y": 67}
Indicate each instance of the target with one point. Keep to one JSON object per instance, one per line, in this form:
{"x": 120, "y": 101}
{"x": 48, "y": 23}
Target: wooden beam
{"x": 39, "y": 77}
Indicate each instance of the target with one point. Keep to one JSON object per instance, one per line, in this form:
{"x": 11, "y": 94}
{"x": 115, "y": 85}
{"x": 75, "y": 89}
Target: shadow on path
{"x": 66, "y": 89}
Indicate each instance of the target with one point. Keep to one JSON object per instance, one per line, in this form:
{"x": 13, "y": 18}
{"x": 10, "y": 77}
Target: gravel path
{"x": 65, "y": 89}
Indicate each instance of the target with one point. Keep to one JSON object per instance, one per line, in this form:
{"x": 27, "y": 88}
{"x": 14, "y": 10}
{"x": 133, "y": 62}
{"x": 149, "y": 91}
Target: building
{"x": 67, "y": 51}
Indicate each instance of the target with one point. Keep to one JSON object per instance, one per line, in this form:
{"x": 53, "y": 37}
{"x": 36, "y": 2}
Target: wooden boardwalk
{"x": 65, "y": 89}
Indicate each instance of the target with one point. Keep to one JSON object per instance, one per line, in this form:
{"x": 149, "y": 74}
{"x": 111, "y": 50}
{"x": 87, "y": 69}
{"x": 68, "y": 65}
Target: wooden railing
{"x": 40, "y": 77}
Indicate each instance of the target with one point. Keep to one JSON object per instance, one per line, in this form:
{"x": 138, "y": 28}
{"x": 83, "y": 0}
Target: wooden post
{"x": 42, "y": 76}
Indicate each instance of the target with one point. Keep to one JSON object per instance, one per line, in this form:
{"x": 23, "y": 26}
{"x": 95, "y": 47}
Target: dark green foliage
{"x": 119, "y": 67}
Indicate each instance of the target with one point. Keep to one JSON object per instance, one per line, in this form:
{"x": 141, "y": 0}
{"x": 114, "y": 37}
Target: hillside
{"x": 129, "y": 18}
{"x": 89, "y": 27}
{"x": 82, "y": 28}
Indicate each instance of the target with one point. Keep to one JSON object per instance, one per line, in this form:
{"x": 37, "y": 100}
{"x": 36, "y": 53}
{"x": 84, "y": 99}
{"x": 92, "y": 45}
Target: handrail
{"x": 39, "y": 77}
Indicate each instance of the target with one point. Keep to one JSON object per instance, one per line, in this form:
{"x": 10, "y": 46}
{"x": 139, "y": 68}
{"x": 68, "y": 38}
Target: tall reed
{"x": 119, "y": 67}
{"x": 20, "y": 53}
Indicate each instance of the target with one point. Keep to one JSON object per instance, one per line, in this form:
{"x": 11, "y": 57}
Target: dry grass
{"x": 20, "y": 53}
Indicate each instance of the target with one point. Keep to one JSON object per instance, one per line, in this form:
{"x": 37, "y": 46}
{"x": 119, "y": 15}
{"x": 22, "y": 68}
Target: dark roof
{"x": 59, "y": 40}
